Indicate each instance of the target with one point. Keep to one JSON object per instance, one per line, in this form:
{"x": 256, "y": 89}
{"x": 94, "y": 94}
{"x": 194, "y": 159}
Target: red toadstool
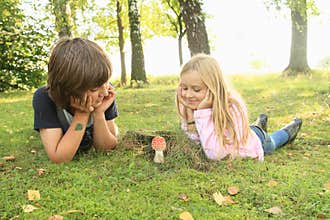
{"x": 158, "y": 143}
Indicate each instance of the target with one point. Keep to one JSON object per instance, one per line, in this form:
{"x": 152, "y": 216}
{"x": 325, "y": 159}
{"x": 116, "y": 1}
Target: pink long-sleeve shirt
{"x": 208, "y": 138}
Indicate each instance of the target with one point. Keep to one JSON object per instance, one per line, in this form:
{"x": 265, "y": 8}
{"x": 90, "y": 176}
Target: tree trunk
{"x": 180, "y": 50}
{"x": 138, "y": 73}
{"x": 63, "y": 20}
{"x": 298, "y": 55}
{"x": 121, "y": 45}
{"x": 195, "y": 26}
{"x": 177, "y": 23}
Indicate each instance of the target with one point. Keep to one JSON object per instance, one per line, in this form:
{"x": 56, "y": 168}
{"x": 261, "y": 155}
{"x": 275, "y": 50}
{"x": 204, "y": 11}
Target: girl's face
{"x": 98, "y": 94}
{"x": 193, "y": 88}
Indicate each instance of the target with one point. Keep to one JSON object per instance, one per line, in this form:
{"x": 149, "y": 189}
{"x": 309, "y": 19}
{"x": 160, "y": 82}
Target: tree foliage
{"x": 173, "y": 13}
{"x": 23, "y": 48}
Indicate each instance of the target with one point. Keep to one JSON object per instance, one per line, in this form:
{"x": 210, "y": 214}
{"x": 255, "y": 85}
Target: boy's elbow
{"x": 59, "y": 160}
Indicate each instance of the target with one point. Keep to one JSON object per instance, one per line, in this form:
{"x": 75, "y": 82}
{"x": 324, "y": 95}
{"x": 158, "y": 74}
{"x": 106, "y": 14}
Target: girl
{"x": 216, "y": 116}
{"x": 76, "y": 109}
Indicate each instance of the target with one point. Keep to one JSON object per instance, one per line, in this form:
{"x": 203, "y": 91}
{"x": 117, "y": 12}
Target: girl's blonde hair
{"x": 224, "y": 100}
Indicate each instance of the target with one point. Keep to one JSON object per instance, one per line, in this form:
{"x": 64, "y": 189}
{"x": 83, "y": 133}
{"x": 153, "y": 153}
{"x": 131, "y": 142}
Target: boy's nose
{"x": 105, "y": 90}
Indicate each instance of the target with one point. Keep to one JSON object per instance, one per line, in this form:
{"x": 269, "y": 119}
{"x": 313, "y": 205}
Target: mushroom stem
{"x": 159, "y": 156}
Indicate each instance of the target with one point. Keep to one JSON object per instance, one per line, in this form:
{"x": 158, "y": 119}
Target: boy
{"x": 76, "y": 109}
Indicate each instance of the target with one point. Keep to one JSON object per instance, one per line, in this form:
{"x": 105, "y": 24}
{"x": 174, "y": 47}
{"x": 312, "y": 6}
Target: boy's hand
{"x": 107, "y": 101}
{"x": 207, "y": 102}
{"x": 82, "y": 105}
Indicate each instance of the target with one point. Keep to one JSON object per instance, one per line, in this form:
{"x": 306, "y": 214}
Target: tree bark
{"x": 138, "y": 73}
{"x": 195, "y": 26}
{"x": 298, "y": 55}
{"x": 123, "y": 79}
{"x": 63, "y": 20}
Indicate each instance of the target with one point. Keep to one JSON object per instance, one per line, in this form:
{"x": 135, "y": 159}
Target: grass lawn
{"x": 127, "y": 184}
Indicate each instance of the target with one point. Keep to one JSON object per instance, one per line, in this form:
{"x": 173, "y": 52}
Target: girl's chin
{"x": 192, "y": 106}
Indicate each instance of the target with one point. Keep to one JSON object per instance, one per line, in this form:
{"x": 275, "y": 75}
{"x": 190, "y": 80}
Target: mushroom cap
{"x": 158, "y": 143}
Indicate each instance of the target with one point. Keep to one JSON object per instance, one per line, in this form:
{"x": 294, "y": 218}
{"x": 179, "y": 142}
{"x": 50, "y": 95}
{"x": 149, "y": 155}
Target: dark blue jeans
{"x": 273, "y": 141}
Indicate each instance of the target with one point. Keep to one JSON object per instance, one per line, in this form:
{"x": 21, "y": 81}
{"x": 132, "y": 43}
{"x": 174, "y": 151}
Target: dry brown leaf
{"x": 29, "y": 208}
{"x": 186, "y": 216}
{"x": 272, "y": 183}
{"x": 274, "y": 210}
{"x": 33, "y": 195}
{"x": 9, "y": 158}
{"x": 74, "y": 211}
{"x": 228, "y": 200}
{"x": 56, "y": 217}
{"x": 233, "y": 190}
{"x": 326, "y": 185}
{"x": 184, "y": 197}
{"x": 218, "y": 198}
{"x": 321, "y": 215}
{"x": 40, "y": 171}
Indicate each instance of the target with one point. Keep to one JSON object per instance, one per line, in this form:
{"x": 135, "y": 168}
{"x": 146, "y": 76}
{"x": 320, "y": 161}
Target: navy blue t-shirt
{"x": 45, "y": 112}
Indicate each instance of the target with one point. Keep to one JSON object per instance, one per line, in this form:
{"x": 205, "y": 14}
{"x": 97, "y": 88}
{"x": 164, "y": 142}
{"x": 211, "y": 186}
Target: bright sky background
{"x": 241, "y": 31}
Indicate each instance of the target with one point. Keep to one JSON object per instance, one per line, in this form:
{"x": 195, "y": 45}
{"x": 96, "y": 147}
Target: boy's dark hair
{"x": 75, "y": 66}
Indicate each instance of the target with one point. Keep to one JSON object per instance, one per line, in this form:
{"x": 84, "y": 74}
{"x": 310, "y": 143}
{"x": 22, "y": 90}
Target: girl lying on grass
{"x": 216, "y": 116}
{"x": 76, "y": 109}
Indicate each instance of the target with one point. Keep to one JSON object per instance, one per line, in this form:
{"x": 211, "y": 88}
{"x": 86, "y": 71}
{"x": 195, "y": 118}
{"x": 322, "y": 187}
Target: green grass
{"x": 126, "y": 184}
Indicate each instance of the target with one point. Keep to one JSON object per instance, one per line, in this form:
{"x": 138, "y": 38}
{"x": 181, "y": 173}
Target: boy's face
{"x": 193, "y": 88}
{"x": 98, "y": 94}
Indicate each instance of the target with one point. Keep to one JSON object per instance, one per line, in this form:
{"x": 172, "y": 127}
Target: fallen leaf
{"x": 37, "y": 204}
{"x": 74, "y": 211}
{"x": 186, "y": 216}
{"x": 29, "y": 208}
{"x": 9, "y": 158}
{"x": 55, "y": 217}
{"x": 18, "y": 168}
{"x": 2, "y": 164}
{"x": 228, "y": 200}
{"x": 33, "y": 151}
{"x": 184, "y": 197}
{"x": 33, "y": 195}
{"x": 321, "y": 215}
{"x": 326, "y": 185}
{"x": 14, "y": 217}
{"x": 272, "y": 183}
{"x": 233, "y": 190}
{"x": 274, "y": 210}
{"x": 307, "y": 154}
{"x": 218, "y": 198}
{"x": 176, "y": 209}
{"x": 40, "y": 171}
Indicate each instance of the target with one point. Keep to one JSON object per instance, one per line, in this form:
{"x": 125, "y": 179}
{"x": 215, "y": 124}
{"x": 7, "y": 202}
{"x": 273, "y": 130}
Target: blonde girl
{"x": 215, "y": 115}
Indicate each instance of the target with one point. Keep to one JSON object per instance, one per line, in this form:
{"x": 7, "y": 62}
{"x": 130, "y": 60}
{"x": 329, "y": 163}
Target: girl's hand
{"x": 179, "y": 96}
{"x": 83, "y": 105}
{"x": 207, "y": 102}
{"x": 186, "y": 110}
{"x": 107, "y": 101}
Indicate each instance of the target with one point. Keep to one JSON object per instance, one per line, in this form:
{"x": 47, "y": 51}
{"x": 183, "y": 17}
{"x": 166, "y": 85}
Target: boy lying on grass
{"x": 76, "y": 109}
